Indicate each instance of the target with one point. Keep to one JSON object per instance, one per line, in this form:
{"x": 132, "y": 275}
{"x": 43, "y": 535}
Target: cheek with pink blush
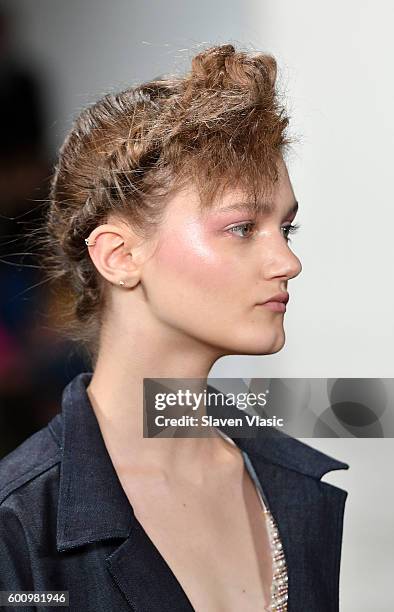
{"x": 190, "y": 255}
{"x": 210, "y": 290}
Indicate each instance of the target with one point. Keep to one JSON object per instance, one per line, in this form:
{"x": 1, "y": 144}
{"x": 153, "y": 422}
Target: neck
{"x": 116, "y": 393}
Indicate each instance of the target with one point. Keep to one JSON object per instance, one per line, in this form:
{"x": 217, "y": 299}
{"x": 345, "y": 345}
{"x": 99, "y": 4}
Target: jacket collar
{"x": 92, "y": 503}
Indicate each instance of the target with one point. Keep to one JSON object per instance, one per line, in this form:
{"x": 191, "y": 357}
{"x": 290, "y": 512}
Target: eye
{"x": 290, "y": 229}
{"x": 241, "y": 227}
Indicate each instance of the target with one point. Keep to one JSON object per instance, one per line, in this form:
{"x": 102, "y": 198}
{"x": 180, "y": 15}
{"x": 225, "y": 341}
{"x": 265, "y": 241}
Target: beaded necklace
{"x": 279, "y": 590}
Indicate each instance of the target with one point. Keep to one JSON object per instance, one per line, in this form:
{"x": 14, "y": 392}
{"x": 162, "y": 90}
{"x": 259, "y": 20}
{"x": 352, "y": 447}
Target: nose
{"x": 279, "y": 261}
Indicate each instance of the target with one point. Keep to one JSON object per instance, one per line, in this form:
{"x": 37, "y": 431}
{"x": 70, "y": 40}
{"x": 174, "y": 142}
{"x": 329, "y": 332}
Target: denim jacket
{"x": 67, "y": 525}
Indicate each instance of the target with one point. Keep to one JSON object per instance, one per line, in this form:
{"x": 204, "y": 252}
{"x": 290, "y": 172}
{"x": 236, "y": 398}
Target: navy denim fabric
{"x": 66, "y": 523}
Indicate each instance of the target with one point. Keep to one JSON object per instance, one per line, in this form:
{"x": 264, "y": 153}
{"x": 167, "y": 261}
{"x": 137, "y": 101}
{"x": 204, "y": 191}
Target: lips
{"x": 279, "y": 297}
{"x": 276, "y": 303}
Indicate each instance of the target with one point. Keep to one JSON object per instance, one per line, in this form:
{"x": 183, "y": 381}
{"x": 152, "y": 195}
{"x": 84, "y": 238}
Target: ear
{"x": 111, "y": 248}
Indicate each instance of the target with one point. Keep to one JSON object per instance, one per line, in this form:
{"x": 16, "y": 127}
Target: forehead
{"x": 233, "y": 198}
{"x": 279, "y": 198}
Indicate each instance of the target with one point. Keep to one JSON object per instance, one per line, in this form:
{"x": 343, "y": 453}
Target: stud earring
{"x": 121, "y": 282}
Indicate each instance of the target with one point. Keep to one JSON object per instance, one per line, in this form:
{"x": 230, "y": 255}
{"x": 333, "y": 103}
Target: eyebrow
{"x": 262, "y": 207}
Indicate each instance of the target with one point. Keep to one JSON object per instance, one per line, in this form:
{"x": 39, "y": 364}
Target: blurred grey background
{"x": 335, "y": 67}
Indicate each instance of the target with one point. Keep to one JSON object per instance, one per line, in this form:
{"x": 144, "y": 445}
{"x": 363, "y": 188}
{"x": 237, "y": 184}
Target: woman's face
{"x": 211, "y": 272}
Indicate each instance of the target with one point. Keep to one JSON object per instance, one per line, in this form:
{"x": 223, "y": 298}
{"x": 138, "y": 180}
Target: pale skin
{"x": 190, "y": 297}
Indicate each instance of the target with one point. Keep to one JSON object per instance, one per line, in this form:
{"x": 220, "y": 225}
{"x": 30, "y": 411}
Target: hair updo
{"x": 218, "y": 125}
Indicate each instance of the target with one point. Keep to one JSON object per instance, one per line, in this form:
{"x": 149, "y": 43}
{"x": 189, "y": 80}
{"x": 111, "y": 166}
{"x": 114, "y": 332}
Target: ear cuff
{"x": 121, "y": 282}
{"x": 93, "y": 243}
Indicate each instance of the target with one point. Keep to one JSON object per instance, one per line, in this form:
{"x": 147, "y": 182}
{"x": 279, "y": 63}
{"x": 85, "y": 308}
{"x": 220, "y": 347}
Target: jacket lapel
{"x": 144, "y": 577}
{"x": 94, "y": 508}
{"x": 309, "y": 518}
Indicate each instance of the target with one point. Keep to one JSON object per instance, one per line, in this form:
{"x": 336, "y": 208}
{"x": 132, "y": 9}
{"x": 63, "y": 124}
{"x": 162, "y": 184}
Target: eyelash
{"x": 292, "y": 229}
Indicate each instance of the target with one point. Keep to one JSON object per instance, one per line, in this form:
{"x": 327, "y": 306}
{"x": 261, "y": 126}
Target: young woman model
{"x": 169, "y": 221}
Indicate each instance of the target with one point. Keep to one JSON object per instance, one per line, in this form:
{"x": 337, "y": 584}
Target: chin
{"x": 278, "y": 343}
{"x": 259, "y": 346}
{"x": 277, "y": 348}
{"x": 268, "y": 350}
